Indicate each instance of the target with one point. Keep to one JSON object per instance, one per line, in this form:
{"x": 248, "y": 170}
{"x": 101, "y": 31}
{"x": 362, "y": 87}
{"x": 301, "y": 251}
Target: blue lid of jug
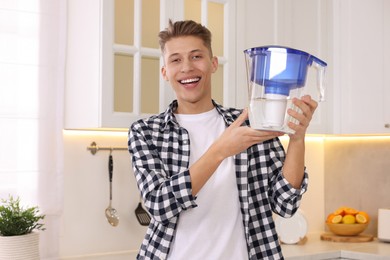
{"x": 279, "y": 69}
{"x": 284, "y": 49}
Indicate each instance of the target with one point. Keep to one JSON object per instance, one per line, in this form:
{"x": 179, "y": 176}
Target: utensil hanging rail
{"x": 94, "y": 148}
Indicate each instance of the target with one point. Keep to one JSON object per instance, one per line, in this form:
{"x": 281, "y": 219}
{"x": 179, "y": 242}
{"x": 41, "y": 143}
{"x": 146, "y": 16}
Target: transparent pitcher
{"x": 276, "y": 75}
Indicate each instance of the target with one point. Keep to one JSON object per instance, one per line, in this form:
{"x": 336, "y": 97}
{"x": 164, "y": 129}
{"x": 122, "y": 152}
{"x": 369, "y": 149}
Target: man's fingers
{"x": 241, "y": 119}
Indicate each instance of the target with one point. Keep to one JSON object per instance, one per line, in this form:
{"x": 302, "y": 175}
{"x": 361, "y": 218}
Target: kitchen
{"x": 347, "y": 157}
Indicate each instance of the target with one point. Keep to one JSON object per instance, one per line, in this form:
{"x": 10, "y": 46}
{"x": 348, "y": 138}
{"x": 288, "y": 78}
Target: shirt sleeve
{"x": 285, "y": 199}
{"x": 165, "y": 193}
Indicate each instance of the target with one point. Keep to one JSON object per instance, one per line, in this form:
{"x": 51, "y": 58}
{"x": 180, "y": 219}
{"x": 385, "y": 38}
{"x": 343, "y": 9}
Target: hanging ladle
{"x": 111, "y": 213}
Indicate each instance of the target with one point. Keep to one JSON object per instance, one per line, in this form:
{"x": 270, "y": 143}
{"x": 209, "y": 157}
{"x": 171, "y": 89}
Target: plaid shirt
{"x": 160, "y": 151}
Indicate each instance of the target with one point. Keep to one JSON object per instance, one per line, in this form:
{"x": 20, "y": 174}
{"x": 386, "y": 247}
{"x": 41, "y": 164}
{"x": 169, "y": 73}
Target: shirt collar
{"x": 169, "y": 117}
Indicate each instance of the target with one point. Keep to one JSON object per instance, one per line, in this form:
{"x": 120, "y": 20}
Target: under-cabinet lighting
{"x": 341, "y": 138}
{"x": 106, "y": 133}
{"x": 358, "y": 138}
{"x": 309, "y": 137}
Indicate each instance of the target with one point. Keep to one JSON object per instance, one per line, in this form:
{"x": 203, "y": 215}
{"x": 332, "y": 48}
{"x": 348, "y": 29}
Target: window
{"x": 19, "y": 97}
{"x": 32, "y": 61}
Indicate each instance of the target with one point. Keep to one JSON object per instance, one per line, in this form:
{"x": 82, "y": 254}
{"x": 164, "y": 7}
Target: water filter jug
{"x": 276, "y": 75}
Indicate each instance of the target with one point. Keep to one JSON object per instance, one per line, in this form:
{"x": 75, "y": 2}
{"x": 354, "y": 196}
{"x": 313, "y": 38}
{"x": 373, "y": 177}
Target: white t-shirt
{"x": 214, "y": 229}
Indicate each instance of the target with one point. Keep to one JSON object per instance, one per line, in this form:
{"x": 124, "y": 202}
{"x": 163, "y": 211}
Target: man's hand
{"x": 238, "y": 138}
{"x": 307, "y": 106}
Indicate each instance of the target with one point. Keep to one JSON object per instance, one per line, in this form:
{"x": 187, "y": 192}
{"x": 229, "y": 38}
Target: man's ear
{"x": 164, "y": 73}
{"x": 214, "y": 63}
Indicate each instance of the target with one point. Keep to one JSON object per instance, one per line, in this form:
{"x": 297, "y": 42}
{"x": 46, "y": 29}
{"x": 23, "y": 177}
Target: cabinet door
{"x": 83, "y": 76}
{"x": 362, "y": 75}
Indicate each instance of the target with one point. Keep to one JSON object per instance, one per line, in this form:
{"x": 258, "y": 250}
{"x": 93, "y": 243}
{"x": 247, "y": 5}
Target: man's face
{"x": 188, "y": 68}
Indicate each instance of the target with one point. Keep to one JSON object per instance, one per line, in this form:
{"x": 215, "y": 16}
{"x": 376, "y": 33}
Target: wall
{"x": 85, "y": 232}
{"x": 313, "y": 200}
{"x": 357, "y": 174}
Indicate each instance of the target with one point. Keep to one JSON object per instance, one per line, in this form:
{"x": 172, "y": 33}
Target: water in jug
{"x": 276, "y": 75}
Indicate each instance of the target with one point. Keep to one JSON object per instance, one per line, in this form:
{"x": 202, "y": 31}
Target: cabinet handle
{"x": 387, "y": 125}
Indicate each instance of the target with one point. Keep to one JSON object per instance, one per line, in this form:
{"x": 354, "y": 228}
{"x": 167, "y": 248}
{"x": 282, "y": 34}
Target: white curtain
{"x": 32, "y": 62}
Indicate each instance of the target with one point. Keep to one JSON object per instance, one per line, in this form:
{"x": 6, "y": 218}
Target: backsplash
{"x": 357, "y": 174}
{"x": 86, "y": 233}
{"x": 312, "y": 203}
{"x": 342, "y": 171}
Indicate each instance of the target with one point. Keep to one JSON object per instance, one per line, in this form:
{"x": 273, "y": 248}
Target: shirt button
{"x": 185, "y": 142}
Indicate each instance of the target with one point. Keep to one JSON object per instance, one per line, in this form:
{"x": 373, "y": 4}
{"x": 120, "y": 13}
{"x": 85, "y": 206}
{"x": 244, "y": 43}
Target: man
{"x": 209, "y": 181}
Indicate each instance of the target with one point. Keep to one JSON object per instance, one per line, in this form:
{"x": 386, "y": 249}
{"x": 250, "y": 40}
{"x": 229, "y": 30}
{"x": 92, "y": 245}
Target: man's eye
{"x": 196, "y": 57}
{"x": 175, "y": 60}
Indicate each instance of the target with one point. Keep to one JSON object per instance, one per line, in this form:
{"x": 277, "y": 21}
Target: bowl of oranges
{"x": 347, "y": 221}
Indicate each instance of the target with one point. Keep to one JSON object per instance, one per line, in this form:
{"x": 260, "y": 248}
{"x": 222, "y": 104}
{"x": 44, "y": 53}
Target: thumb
{"x": 241, "y": 119}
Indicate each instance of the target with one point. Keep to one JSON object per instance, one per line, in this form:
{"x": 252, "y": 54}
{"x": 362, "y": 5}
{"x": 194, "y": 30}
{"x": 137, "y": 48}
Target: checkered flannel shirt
{"x": 160, "y": 151}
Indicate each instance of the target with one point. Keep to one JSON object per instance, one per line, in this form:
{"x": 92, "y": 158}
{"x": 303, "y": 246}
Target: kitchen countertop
{"x": 314, "y": 248}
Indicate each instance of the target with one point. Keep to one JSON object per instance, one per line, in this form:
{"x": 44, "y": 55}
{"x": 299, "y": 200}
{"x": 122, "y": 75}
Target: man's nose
{"x": 186, "y": 65}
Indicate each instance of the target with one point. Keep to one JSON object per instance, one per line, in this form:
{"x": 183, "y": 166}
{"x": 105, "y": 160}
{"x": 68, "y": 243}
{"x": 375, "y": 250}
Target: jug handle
{"x": 320, "y": 66}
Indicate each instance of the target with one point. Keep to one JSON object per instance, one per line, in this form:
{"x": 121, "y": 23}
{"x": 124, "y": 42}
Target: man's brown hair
{"x": 185, "y": 28}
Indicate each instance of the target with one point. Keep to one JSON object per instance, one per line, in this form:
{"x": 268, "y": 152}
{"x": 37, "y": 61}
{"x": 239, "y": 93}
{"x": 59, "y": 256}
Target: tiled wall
{"x": 357, "y": 174}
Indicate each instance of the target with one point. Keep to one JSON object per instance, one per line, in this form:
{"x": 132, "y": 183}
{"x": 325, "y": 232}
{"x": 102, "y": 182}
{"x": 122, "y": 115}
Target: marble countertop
{"x": 315, "y": 248}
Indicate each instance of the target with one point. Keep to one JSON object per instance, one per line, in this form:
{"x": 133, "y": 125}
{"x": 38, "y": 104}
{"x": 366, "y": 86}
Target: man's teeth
{"x": 185, "y": 81}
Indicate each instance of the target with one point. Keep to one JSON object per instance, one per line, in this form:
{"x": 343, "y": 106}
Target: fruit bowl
{"x": 347, "y": 229}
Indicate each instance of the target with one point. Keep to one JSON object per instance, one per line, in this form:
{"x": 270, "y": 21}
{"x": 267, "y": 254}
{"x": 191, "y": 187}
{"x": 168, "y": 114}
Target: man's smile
{"x": 189, "y": 81}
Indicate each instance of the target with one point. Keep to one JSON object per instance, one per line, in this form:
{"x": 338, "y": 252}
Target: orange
{"x": 362, "y": 217}
{"x": 329, "y": 218}
{"x": 334, "y": 219}
{"x": 350, "y": 211}
{"x": 349, "y": 219}
{"x": 340, "y": 211}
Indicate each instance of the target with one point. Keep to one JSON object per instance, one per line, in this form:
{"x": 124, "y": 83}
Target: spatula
{"x": 142, "y": 215}
{"x": 111, "y": 213}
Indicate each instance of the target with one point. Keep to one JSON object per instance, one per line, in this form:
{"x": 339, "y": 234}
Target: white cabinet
{"x": 361, "y": 67}
{"x": 89, "y": 91}
{"x": 93, "y": 97}
{"x": 94, "y": 55}
{"x": 352, "y": 36}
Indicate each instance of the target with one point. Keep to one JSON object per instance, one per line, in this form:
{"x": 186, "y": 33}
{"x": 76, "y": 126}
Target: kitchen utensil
{"x": 142, "y": 215}
{"x": 111, "y": 213}
{"x": 275, "y": 76}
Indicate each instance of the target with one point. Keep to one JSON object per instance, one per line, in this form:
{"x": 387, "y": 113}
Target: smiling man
{"x": 189, "y": 65}
{"x": 209, "y": 181}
